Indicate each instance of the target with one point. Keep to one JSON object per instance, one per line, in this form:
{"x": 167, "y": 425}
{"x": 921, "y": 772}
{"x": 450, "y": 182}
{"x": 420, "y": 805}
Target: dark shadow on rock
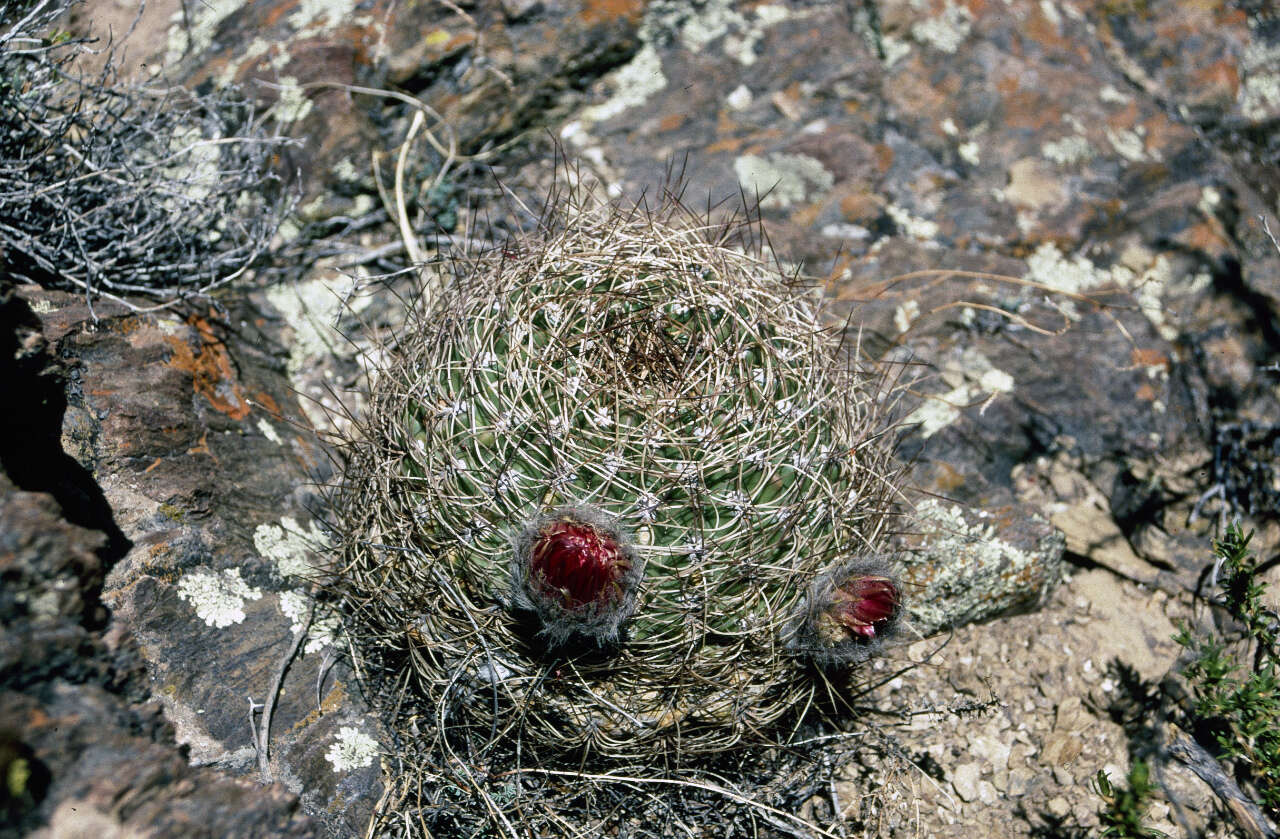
{"x": 31, "y": 432}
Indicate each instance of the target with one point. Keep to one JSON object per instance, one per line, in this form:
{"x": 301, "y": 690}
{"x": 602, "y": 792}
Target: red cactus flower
{"x": 577, "y": 564}
{"x": 864, "y": 605}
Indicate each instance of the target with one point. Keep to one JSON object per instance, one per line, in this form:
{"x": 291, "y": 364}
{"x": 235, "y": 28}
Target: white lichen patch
{"x": 632, "y": 85}
{"x": 1146, "y": 275}
{"x": 217, "y": 598}
{"x": 895, "y": 50}
{"x": 969, "y": 153}
{"x": 192, "y": 29}
{"x": 946, "y": 31}
{"x": 974, "y": 380}
{"x": 1068, "y": 150}
{"x": 913, "y": 226}
{"x": 269, "y": 431}
{"x": 324, "y": 15}
{"x": 1130, "y": 144}
{"x": 312, "y": 309}
{"x": 351, "y": 749}
{"x": 1210, "y": 200}
{"x": 1077, "y": 275}
{"x": 1111, "y": 96}
{"x": 949, "y": 127}
{"x": 1260, "y": 92}
{"x": 290, "y": 546}
{"x": 292, "y": 103}
{"x": 905, "y": 315}
{"x": 42, "y": 307}
{"x": 1051, "y": 13}
{"x": 296, "y": 606}
{"x": 787, "y": 178}
{"x": 739, "y": 99}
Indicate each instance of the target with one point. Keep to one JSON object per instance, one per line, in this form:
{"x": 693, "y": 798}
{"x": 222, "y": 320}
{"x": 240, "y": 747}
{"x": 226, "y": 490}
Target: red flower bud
{"x": 848, "y": 612}
{"x": 575, "y": 568}
{"x": 577, "y": 564}
{"x": 864, "y": 605}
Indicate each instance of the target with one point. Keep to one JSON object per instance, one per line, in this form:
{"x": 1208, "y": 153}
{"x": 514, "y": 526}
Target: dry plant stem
{"x": 116, "y": 190}
{"x": 402, "y": 214}
{"x": 263, "y": 743}
{"x": 778, "y": 818}
{"x": 1247, "y": 815}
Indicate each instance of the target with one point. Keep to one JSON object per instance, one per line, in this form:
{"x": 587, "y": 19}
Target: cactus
{"x": 623, "y": 430}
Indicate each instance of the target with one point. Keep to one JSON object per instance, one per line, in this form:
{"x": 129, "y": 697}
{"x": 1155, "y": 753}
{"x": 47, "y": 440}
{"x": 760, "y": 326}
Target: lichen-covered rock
{"x": 206, "y": 464}
{"x": 81, "y": 746}
{"x": 965, "y": 565}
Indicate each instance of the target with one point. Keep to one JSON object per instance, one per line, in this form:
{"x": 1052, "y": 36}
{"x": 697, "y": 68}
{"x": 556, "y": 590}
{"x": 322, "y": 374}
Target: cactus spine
{"x": 634, "y": 431}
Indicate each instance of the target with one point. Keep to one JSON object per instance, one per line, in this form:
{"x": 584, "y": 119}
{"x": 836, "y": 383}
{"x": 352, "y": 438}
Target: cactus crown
{"x": 622, "y": 419}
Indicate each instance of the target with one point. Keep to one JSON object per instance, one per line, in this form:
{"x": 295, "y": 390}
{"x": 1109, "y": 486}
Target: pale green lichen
{"x": 1147, "y": 276}
{"x": 632, "y": 84}
{"x": 967, "y": 573}
{"x": 1130, "y": 144}
{"x": 1111, "y": 96}
{"x": 895, "y": 49}
{"x": 218, "y": 599}
{"x": 311, "y": 308}
{"x": 969, "y": 153}
{"x": 1210, "y": 201}
{"x": 973, "y": 380}
{"x": 1051, "y": 13}
{"x": 739, "y": 99}
{"x": 292, "y": 103}
{"x": 946, "y": 31}
{"x": 323, "y": 15}
{"x": 351, "y": 749}
{"x": 787, "y": 178}
{"x": 296, "y": 606}
{"x": 913, "y": 226}
{"x": 290, "y": 546}
{"x": 1260, "y": 92}
{"x": 905, "y": 315}
{"x": 192, "y": 28}
{"x": 1068, "y": 150}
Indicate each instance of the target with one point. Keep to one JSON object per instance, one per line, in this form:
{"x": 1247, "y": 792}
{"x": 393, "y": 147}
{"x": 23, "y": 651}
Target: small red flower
{"x": 865, "y": 605}
{"x": 575, "y": 568}
{"x": 578, "y": 564}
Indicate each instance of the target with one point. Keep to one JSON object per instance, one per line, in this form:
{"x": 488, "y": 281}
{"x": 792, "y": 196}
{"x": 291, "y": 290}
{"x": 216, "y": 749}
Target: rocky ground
{"x": 162, "y": 509}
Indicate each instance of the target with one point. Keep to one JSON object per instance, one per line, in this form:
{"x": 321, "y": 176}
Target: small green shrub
{"x": 1235, "y": 682}
{"x": 1126, "y": 806}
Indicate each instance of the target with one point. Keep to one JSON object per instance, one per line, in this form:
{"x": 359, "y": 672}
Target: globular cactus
{"x": 623, "y": 431}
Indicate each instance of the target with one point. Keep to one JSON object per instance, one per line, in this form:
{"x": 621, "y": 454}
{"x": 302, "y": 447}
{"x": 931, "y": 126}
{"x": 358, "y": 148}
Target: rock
{"x": 1117, "y": 192}
{"x": 1141, "y": 635}
{"x": 964, "y": 779}
{"x": 81, "y": 746}
{"x": 965, "y": 565}
{"x": 1060, "y": 749}
{"x": 486, "y": 71}
{"x": 208, "y": 465}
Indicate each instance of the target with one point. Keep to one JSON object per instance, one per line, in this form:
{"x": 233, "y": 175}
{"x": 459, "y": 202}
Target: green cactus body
{"x": 678, "y": 386}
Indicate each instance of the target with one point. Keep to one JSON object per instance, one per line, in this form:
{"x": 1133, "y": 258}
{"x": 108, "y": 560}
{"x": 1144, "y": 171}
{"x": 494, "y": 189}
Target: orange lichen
{"x": 210, "y": 368}
{"x": 605, "y": 11}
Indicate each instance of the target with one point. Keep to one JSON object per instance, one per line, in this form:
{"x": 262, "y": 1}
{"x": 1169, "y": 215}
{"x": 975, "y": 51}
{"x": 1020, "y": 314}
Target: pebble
{"x": 964, "y": 779}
